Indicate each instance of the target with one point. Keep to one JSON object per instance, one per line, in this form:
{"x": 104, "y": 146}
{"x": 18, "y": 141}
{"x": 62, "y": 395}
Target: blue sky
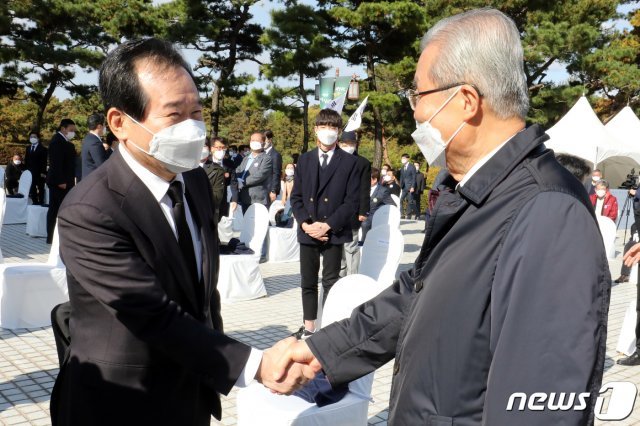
{"x": 261, "y": 15}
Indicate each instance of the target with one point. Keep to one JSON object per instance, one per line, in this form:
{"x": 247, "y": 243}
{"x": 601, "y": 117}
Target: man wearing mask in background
{"x": 93, "y": 152}
{"x": 12, "y": 175}
{"x": 590, "y": 186}
{"x": 510, "y": 292}
{"x": 253, "y": 175}
{"x": 276, "y": 165}
{"x": 407, "y": 185}
{"x": 219, "y": 172}
{"x": 604, "y": 203}
{"x": 61, "y": 176}
{"x": 35, "y": 159}
{"x": 139, "y": 243}
{"x": 351, "y": 253}
{"x": 325, "y": 199}
{"x": 417, "y": 195}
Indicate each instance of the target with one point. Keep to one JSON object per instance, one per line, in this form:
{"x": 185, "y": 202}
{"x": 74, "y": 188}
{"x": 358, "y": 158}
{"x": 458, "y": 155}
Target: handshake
{"x": 287, "y": 366}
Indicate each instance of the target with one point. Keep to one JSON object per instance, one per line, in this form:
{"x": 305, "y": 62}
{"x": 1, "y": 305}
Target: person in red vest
{"x": 604, "y": 202}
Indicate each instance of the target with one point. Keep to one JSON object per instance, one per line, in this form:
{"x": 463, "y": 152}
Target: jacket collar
{"x": 485, "y": 180}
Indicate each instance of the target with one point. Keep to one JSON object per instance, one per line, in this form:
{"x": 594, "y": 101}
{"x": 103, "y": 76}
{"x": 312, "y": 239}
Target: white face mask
{"x": 33, "y": 140}
{"x": 219, "y": 155}
{"x": 255, "y": 145}
{"x": 349, "y": 149}
{"x": 387, "y": 178}
{"x": 177, "y": 147}
{"x": 17, "y": 162}
{"x": 595, "y": 178}
{"x": 71, "y": 135}
{"x": 429, "y": 139}
{"x": 327, "y": 137}
{"x": 601, "y": 193}
{"x": 289, "y": 172}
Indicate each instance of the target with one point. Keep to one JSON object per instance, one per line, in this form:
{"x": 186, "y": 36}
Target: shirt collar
{"x": 329, "y": 153}
{"x": 154, "y": 183}
{"x": 61, "y": 134}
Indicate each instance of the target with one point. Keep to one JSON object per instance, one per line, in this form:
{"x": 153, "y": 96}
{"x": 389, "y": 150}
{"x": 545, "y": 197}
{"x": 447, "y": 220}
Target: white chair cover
{"x": 386, "y": 215}
{"x": 381, "y": 253}
{"x": 608, "y": 231}
{"x": 225, "y": 229}
{"x": 1, "y": 177}
{"x": 283, "y": 245}
{"x": 37, "y": 221}
{"x": 273, "y": 209}
{"x": 28, "y": 291}
{"x": 627, "y": 339}
{"x": 17, "y": 207}
{"x": 240, "y": 278}
{"x": 238, "y": 219}
{"x": 3, "y": 205}
{"x": 256, "y": 405}
{"x": 396, "y": 200}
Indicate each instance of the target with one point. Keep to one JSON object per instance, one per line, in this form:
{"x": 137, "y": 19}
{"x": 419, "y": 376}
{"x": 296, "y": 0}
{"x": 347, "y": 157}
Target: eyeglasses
{"x": 414, "y": 96}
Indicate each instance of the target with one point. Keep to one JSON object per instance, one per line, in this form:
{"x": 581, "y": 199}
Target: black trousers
{"x": 56, "y": 195}
{"x": 625, "y": 270}
{"x": 309, "y": 268}
{"x": 638, "y": 313}
{"x": 416, "y": 204}
{"x": 37, "y": 189}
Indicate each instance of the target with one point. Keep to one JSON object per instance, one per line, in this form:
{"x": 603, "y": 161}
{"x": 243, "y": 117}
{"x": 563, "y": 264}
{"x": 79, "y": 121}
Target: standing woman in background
{"x": 287, "y": 182}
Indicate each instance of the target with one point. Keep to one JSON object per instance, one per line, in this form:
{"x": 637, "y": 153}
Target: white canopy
{"x": 581, "y": 133}
{"x": 625, "y": 129}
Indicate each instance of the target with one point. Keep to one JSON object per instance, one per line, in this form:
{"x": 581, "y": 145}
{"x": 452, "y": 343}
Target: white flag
{"x": 337, "y": 104}
{"x": 356, "y": 119}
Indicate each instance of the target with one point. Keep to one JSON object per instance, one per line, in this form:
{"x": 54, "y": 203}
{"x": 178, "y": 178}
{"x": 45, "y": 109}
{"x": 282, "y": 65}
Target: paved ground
{"x": 28, "y": 361}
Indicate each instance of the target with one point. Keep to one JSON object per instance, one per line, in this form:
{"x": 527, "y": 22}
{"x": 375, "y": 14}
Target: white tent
{"x": 581, "y": 133}
{"x": 625, "y": 129}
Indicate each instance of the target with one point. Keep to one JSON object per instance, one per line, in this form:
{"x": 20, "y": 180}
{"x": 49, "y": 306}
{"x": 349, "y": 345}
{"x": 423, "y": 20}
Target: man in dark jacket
{"x": 408, "y": 185}
{"x": 379, "y": 196}
{"x": 324, "y": 200}
{"x": 219, "y": 170}
{"x": 508, "y": 297}
{"x": 93, "y": 152}
{"x": 351, "y": 253}
{"x": 12, "y": 174}
{"x": 61, "y": 176}
{"x": 35, "y": 159}
{"x": 420, "y": 187}
{"x": 276, "y": 165}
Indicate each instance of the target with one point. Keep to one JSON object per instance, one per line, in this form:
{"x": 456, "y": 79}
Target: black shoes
{"x": 633, "y": 359}
{"x": 622, "y": 279}
{"x": 302, "y": 333}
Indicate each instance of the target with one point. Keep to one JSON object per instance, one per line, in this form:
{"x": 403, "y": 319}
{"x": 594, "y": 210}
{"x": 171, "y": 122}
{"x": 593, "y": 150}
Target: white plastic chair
{"x": 238, "y": 219}
{"x": 240, "y": 277}
{"x": 608, "y": 231}
{"x": 17, "y": 207}
{"x": 381, "y": 253}
{"x": 396, "y": 200}
{"x": 256, "y": 405}
{"x": 386, "y": 215}
{"x": 28, "y": 291}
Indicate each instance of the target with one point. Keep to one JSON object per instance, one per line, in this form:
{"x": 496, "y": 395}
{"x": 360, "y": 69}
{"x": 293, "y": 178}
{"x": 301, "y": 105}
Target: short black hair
{"x": 329, "y": 117}
{"x": 242, "y": 147}
{"x": 405, "y": 155}
{"x": 268, "y": 134}
{"x": 33, "y": 132}
{"x": 110, "y": 139}
{"x": 218, "y": 139}
{"x": 95, "y": 120}
{"x": 375, "y": 173}
{"x": 66, "y": 122}
{"x": 234, "y": 147}
{"x": 295, "y": 157}
{"x": 118, "y": 80}
{"x": 577, "y": 166}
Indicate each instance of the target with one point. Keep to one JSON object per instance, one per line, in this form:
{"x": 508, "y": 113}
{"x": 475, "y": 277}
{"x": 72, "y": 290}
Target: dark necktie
{"x": 184, "y": 236}
{"x": 324, "y": 161}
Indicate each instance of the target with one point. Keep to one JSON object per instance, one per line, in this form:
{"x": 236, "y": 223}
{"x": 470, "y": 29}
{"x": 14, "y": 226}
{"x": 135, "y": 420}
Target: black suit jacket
{"x": 276, "y": 167}
{"x": 219, "y": 183}
{"x": 407, "y": 177}
{"x": 36, "y": 162}
{"x": 364, "y": 177}
{"x": 147, "y": 345}
{"x": 420, "y": 184}
{"x": 62, "y": 162}
{"x": 93, "y": 154}
{"x": 333, "y": 199}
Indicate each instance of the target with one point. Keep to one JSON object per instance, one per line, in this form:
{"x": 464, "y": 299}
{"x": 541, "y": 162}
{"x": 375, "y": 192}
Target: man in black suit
{"x": 351, "y": 252}
{"x": 93, "y": 152}
{"x": 325, "y": 199}
{"x": 141, "y": 250}
{"x": 407, "y": 185}
{"x": 219, "y": 170}
{"x": 276, "y": 165}
{"x": 419, "y": 190}
{"x": 379, "y": 196}
{"x": 61, "y": 176}
{"x": 35, "y": 159}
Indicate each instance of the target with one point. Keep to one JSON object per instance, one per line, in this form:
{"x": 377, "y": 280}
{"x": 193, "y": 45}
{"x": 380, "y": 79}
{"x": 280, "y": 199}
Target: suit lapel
{"x": 327, "y": 174}
{"x": 199, "y": 218}
{"x": 314, "y": 169}
{"x": 143, "y": 209}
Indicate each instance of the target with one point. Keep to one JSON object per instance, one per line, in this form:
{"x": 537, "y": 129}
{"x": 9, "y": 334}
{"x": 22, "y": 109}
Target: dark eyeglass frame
{"x": 414, "y": 96}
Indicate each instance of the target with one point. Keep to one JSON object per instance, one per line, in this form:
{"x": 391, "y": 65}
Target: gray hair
{"x": 482, "y": 47}
{"x": 602, "y": 183}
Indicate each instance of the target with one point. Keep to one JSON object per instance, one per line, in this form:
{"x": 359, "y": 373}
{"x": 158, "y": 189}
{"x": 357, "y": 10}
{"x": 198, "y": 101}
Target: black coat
{"x": 407, "y": 177}
{"x": 380, "y": 197}
{"x": 62, "y": 162}
{"x": 36, "y": 161}
{"x": 510, "y": 293}
{"x": 93, "y": 154}
{"x": 220, "y": 178}
{"x": 12, "y": 175}
{"x": 147, "y": 345}
{"x": 333, "y": 199}
{"x": 420, "y": 184}
{"x": 276, "y": 167}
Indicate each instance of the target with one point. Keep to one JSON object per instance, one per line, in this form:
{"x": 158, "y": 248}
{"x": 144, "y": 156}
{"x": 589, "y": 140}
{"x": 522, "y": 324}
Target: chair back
{"x": 255, "y": 225}
{"x": 396, "y": 200}
{"x": 381, "y": 253}
{"x": 24, "y": 185}
{"x": 608, "y": 231}
{"x": 346, "y": 295}
{"x": 1, "y": 177}
{"x": 54, "y": 254}
{"x": 273, "y": 210}
{"x": 3, "y": 206}
{"x": 386, "y": 215}
{"x": 238, "y": 218}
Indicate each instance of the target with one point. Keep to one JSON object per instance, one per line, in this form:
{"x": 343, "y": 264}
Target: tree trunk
{"x": 385, "y": 153}
{"x": 305, "y": 113}
{"x": 215, "y": 110}
{"x": 377, "y": 121}
{"x": 42, "y": 105}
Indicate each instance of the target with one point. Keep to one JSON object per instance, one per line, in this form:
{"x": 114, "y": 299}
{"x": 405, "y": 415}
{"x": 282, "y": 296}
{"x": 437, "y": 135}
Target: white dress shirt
{"x": 329, "y": 154}
{"x": 159, "y": 188}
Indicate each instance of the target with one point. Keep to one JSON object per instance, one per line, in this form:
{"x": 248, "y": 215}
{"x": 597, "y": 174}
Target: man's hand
{"x": 289, "y": 378}
{"x": 411, "y": 190}
{"x": 632, "y": 192}
{"x": 362, "y": 218}
{"x": 272, "y": 196}
{"x": 297, "y": 352}
{"x": 62, "y": 186}
{"x": 232, "y": 207}
{"x": 240, "y": 184}
{"x": 632, "y": 256}
{"x": 318, "y": 230}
